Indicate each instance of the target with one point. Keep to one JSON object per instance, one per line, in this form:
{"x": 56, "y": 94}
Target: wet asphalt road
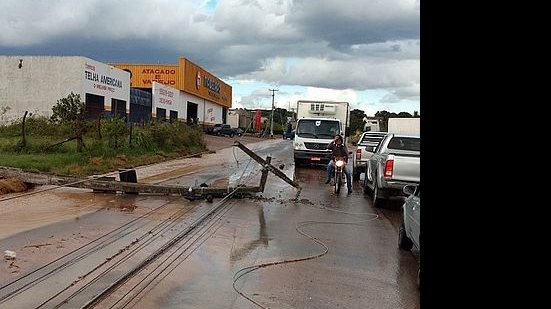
{"x": 363, "y": 267}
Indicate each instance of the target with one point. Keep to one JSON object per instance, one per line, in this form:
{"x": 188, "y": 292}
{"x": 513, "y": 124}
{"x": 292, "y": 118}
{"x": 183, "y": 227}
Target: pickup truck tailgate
{"x": 406, "y": 167}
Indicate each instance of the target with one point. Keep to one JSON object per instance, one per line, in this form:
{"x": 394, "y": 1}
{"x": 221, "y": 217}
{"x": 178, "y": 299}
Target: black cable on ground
{"x": 246, "y": 270}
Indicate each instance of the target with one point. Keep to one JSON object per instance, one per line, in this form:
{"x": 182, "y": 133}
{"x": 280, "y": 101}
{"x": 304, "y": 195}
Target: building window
{"x": 161, "y": 114}
{"x": 118, "y": 108}
{"x": 95, "y": 106}
{"x": 173, "y": 116}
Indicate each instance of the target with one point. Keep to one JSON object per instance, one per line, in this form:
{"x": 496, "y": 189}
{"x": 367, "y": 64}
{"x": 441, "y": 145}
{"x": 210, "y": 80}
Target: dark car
{"x": 225, "y": 129}
{"x": 213, "y": 129}
{"x": 239, "y": 132}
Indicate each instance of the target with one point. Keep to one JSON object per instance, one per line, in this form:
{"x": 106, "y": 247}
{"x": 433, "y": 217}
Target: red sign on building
{"x": 258, "y": 120}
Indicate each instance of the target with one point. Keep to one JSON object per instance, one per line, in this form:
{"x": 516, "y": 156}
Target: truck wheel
{"x": 367, "y": 190}
{"x": 377, "y": 200}
{"x": 404, "y": 242}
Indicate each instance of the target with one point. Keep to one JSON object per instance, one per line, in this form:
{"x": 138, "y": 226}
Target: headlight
{"x": 299, "y": 145}
{"x": 339, "y": 163}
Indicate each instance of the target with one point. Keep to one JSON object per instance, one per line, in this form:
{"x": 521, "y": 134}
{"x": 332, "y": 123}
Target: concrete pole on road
{"x": 272, "y": 121}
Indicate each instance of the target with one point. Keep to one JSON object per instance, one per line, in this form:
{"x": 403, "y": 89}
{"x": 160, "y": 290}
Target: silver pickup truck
{"x": 394, "y": 164}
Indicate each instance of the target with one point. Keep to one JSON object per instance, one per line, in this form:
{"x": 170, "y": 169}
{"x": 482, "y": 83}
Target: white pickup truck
{"x": 361, "y": 155}
{"x": 394, "y": 164}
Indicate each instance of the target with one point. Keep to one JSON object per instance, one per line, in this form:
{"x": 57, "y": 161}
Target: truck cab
{"x": 312, "y": 136}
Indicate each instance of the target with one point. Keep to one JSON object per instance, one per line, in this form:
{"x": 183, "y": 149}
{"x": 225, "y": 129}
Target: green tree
{"x": 71, "y": 110}
{"x": 356, "y": 120}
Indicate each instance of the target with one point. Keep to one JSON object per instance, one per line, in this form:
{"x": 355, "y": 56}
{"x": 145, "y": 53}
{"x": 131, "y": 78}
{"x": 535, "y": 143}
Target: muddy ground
{"x": 362, "y": 268}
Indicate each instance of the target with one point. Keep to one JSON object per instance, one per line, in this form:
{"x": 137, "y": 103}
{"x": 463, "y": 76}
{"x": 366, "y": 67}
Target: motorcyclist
{"x": 338, "y": 150}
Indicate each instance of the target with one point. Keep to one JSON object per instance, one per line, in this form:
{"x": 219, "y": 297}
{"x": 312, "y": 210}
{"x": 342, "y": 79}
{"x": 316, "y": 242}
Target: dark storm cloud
{"x": 355, "y": 21}
{"x": 354, "y": 45}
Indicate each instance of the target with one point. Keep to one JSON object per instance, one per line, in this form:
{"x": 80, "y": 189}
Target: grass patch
{"x": 158, "y": 143}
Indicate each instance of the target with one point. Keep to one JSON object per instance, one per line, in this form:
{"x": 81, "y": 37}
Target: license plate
{"x": 316, "y": 159}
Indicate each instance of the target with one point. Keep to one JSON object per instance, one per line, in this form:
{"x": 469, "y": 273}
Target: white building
{"x": 35, "y": 83}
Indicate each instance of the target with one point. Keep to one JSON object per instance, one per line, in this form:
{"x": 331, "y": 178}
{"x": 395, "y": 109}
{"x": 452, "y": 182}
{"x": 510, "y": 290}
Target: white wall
{"x": 38, "y": 84}
{"x": 42, "y": 80}
{"x": 233, "y": 119}
{"x": 168, "y": 98}
{"x": 213, "y": 113}
{"x": 207, "y": 112}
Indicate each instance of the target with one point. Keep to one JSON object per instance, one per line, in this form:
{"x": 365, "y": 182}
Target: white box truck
{"x": 317, "y": 124}
{"x": 409, "y": 126}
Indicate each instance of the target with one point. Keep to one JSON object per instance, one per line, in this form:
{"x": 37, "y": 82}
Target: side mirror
{"x": 409, "y": 189}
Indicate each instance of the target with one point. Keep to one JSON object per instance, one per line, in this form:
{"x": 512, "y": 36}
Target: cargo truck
{"x": 317, "y": 124}
{"x": 410, "y": 126}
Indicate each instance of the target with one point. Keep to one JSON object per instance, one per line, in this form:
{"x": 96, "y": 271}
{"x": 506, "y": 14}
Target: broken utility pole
{"x": 109, "y": 185}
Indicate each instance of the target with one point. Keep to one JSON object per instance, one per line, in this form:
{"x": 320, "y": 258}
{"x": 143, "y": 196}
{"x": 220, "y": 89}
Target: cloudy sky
{"x": 366, "y": 52}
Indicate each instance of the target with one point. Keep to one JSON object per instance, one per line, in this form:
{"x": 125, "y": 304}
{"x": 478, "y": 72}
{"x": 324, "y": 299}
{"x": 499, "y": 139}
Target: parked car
{"x": 213, "y": 129}
{"x": 289, "y": 135}
{"x": 362, "y": 155}
{"x": 225, "y": 129}
{"x": 410, "y": 230}
{"x": 394, "y": 164}
{"x": 239, "y": 132}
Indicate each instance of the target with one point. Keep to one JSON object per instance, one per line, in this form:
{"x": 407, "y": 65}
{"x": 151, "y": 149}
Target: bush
{"x": 142, "y": 139}
{"x": 160, "y": 133}
{"x": 114, "y": 129}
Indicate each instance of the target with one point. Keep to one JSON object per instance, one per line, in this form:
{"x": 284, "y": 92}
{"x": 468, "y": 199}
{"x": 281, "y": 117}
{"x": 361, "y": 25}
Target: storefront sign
{"x": 167, "y": 98}
{"x": 102, "y": 79}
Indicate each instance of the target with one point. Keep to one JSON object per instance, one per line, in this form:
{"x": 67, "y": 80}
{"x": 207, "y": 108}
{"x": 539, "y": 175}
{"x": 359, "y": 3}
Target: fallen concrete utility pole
{"x": 108, "y": 184}
{"x": 102, "y": 185}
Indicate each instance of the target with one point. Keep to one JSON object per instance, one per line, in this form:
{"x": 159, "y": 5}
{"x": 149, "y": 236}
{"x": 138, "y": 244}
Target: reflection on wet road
{"x": 238, "y": 253}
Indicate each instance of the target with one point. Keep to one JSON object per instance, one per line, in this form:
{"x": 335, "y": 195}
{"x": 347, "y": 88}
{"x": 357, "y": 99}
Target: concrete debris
{"x": 9, "y": 255}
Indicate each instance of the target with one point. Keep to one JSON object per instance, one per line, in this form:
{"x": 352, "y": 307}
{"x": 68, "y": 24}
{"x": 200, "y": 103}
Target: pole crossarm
{"x": 266, "y": 165}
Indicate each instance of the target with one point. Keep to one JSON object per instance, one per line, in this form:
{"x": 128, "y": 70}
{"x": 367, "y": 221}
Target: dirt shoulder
{"x": 12, "y": 186}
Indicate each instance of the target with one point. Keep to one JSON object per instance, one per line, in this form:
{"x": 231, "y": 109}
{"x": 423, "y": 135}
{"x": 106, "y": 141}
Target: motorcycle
{"x": 339, "y": 165}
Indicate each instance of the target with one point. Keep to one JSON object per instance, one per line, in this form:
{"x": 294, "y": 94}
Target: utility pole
{"x": 272, "y": 121}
